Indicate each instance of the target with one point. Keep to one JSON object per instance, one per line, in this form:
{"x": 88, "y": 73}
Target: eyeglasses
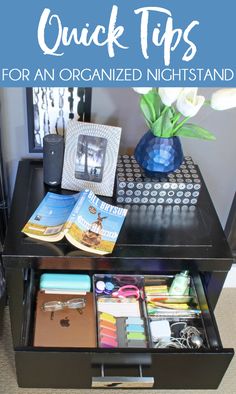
{"x": 53, "y": 306}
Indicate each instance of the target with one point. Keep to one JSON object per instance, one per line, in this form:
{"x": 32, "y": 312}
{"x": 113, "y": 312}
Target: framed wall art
{"x": 90, "y": 158}
{"x": 49, "y": 109}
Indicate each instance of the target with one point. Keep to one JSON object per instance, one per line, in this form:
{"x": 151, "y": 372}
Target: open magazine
{"x": 87, "y": 222}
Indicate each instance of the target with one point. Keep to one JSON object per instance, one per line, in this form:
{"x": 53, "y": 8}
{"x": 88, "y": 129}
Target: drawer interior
{"x": 144, "y": 316}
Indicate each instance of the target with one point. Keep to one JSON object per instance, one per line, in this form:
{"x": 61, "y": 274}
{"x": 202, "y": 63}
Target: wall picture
{"x": 49, "y": 110}
{"x": 90, "y": 158}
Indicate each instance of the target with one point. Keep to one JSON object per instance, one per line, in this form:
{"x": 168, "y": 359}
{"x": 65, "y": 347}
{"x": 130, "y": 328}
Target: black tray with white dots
{"x": 181, "y": 187}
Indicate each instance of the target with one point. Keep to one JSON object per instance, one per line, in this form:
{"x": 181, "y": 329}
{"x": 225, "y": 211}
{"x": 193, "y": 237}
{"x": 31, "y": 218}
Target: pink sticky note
{"x": 107, "y": 341}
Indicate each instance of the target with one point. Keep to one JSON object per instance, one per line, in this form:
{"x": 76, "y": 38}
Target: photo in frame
{"x": 90, "y": 159}
{"x": 49, "y": 109}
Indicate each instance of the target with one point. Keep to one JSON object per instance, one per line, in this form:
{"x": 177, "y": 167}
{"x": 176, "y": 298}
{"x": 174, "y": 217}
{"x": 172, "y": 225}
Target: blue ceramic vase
{"x": 158, "y": 156}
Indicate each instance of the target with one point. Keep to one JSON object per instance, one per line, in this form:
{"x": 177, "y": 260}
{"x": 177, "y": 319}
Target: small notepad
{"x": 119, "y": 309}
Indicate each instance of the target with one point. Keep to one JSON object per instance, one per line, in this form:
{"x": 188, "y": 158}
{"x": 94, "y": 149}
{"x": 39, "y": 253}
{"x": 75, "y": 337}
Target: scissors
{"x": 127, "y": 291}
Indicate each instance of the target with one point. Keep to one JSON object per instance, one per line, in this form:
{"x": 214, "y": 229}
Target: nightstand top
{"x": 153, "y": 233}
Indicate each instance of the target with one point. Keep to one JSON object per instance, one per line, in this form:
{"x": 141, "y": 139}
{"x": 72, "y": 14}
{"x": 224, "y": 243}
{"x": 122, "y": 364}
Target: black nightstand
{"x": 161, "y": 240}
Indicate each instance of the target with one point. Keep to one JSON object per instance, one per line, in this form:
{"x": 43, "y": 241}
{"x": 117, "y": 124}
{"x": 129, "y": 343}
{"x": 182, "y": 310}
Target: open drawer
{"x": 122, "y": 367}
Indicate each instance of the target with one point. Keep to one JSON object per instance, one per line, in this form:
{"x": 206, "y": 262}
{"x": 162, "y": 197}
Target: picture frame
{"x": 90, "y": 159}
{"x": 49, "y": 109}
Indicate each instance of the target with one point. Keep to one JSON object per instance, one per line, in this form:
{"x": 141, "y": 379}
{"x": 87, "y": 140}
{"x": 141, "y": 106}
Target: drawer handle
{"x": 122, "y": 381}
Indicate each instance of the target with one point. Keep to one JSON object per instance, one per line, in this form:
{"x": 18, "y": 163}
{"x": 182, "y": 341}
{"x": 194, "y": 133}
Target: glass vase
{"x": 158, "y": 156}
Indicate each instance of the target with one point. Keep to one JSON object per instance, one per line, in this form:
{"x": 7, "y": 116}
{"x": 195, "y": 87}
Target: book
{"x": 86, "y": 221}
{"x": 66, "y": 327}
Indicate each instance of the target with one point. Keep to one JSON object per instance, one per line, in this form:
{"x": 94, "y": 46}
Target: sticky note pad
{"x": 135, "y": 335}
{"x": 137, "y": 343}
{"x": 119, "y": 309}
{"x": 135, "y": 328}
{"x": 107, "y": 317}
{"x": 108, "y": 342}
{"x": 134, "y": 320}
{"x": 108, "y": 333}
{"x": 107, "y": 324}
{"x": 159, "y": 289}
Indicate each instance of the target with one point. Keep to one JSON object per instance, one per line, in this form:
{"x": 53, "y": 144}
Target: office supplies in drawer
{"x": 173, "y": 313}
{"x": 120, "y": 318}
{"x": 142, "y": 311}
{"x": 121, "y": 311}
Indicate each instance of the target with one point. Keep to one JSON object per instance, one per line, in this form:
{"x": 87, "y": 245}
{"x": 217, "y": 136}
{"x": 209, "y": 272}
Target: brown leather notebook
{"x": 65, "y": 328}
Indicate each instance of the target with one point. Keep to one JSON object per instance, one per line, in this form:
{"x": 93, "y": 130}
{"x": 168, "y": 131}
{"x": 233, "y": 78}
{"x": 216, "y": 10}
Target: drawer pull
{"x": 122, "y": 381}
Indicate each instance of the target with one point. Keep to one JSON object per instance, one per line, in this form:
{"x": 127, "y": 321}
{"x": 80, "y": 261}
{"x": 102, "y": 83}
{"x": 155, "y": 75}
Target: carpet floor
{"x": 226, "y": 319}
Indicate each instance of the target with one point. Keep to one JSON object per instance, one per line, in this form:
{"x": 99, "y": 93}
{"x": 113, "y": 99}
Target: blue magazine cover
{"x": 87, "y": 222}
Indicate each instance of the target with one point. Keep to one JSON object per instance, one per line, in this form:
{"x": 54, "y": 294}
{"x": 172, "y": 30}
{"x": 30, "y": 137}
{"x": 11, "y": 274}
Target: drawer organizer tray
{"x": 139, "y": 312}
{"x": 124, "y": 366}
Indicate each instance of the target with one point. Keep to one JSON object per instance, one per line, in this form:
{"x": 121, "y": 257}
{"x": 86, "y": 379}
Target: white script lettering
{"x": 170, "y": 39}
{"x": 65, "y": 36}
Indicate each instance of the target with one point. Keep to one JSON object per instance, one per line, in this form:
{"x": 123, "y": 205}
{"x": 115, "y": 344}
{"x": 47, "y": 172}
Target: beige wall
{"x": 217, "y": 159}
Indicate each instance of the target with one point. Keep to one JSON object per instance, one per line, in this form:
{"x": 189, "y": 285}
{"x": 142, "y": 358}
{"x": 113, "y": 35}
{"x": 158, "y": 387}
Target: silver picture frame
{"x": 90, "y": 160}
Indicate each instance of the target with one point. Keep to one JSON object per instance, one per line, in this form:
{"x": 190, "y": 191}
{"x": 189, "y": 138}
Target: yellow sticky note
{"x": 107, "y": 317}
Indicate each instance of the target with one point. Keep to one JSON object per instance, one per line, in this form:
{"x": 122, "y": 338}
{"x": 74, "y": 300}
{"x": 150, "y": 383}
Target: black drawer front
{"x": 167, "y": 370}
{"x": 189, "y": 371}
{"x": 45, "y": 369}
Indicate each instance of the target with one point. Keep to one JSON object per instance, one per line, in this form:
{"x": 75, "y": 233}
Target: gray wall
{"x": 13, "y": 131}
{"x": 217, "y": 159}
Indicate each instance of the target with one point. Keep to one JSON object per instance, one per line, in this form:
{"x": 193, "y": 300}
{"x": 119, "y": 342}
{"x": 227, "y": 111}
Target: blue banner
{"x": 117, "y": 43}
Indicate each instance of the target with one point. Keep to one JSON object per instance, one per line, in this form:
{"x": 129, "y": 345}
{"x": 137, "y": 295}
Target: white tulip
{"x": 189, "y": 103}
{"x": 169, "y": 95}
{"x": 142, "y": 90}
{"x": 223, "y": 99}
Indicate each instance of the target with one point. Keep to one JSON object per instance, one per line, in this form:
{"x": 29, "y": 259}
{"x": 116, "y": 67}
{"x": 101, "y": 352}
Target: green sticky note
{"x": 136, "y": 335}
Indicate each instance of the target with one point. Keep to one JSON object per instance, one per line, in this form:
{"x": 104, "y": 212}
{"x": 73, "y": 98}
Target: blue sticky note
{"x": 135, "y": 328}
{"x": 134, "y": 320}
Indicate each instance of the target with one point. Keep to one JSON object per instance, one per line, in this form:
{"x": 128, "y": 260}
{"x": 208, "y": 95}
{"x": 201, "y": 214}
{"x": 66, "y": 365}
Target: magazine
{"x": 86, "y": 221}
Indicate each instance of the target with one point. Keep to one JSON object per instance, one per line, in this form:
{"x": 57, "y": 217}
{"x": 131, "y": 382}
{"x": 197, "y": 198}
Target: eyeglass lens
{"x": 53, "y": 306}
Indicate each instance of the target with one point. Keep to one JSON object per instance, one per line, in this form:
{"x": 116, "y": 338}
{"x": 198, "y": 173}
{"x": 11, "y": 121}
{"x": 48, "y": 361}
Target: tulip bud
{"x": 188, "y": 103}
{"x": 142, "y": 90}
{"x": 223, "y": 99}
{"x": 169, "y": 95}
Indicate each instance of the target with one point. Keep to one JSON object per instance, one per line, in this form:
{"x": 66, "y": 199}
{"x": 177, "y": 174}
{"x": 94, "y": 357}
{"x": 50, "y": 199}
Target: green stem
{"x": 181, "y": 124}
{"x": 162, "y": 113}
{"x": 150, "y": 107}
{"x": 165, "y": 110}
{"x": 176, "y": 118}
